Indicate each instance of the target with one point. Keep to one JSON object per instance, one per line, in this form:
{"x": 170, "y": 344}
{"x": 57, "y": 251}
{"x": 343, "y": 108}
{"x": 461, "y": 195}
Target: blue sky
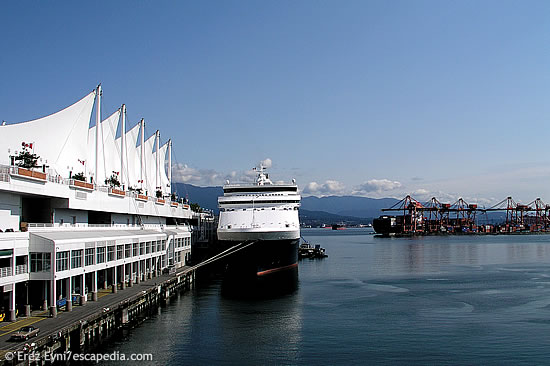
{"x": 374, "y": 98}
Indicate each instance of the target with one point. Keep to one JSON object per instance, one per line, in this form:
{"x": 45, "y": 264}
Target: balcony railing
{"x": 117, "y": 192}
{"x": 29, "y": 174}
{"x": 20, "y": 269}
{"x": 5, "y": 271}
{"x": 51, "y": 177}
{"x": 80, "y": 184}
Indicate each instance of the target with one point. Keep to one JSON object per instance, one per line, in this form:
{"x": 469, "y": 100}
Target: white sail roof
{"x": 132, "y": 168}
{"x": 109, "y": 152}
{"x": 150, "y": 165}
{"x": 59, "y": 139}
{"x": 165, "y": 183}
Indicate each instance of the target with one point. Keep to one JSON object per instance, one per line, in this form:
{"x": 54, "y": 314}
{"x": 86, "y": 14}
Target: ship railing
{"x": 252, "y": 184}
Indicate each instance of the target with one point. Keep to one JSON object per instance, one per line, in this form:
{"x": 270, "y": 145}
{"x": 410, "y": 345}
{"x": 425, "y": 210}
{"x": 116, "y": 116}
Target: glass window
{"x": 127, "y": 250}
{"x": 89, "y": 256}
{"x": 100, "y": 255}
{"x": 40, "y": 262}
{"x": 135, "y": 249}
{"x": 142, "y": 248}
{"x": 120, "y": 252}
{"x": 110, "y": 253}
{"x": 62, "y": 261}
{"x": 76, "y": 258}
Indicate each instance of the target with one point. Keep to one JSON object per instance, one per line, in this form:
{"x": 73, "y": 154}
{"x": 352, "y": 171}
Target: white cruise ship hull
{"x": 256, "y": 234}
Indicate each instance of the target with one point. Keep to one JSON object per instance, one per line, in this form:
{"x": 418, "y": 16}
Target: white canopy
{"x": 58, "y": 139}
{"x": 65, "y": 143}
{"x": 109, "y": 151}
{"x": 132, "y": 172}
{"x": 165, "y": 183}
{"x": 150, "y": 165}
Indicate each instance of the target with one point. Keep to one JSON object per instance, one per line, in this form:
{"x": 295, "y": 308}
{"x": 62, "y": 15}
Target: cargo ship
{"x": 265, "y": 213}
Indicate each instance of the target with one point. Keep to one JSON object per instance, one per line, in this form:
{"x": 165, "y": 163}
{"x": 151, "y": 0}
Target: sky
{"x": 370, "y": 98}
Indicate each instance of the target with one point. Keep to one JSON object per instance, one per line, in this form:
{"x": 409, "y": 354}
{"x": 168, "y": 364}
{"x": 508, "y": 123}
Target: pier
{"x": 87, "y": 326}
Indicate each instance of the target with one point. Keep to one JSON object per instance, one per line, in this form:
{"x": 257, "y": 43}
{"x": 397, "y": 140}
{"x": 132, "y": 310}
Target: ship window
{"x": 273, "y": 208}
{"x": 244, "y": 209}
{"x": 229, "y": 226}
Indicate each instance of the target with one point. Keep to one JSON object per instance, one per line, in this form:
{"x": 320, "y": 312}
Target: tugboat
{"x": 307, "y": 250}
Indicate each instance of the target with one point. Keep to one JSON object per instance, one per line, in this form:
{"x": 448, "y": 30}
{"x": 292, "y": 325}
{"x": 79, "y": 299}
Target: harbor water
{"x": 461, "y": 300}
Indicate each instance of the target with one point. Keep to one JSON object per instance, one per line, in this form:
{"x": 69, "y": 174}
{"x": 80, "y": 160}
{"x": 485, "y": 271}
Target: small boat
{"x": 306, "y": 250}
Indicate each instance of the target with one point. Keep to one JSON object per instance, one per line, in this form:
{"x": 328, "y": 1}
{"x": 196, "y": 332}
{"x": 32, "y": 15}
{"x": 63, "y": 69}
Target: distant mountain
{"x": 316, "y": 218}
{"x": 206, "y": 197}
{"x": 351, "y": 206}
{"x": 348, "y": 205}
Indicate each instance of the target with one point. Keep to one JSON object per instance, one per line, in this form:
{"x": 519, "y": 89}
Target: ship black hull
{"x": 264, "y": 269}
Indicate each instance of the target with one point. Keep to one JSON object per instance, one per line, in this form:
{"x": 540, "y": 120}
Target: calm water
{"x": 431, "y": 300}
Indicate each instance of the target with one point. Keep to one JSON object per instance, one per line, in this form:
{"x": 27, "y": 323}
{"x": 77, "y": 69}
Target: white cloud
{"x": 209, "y": 177}
{"x": 327, "y": 188}
{"x": 186, "y": 174}
{"x": 266, "y": 163}
{"x": 377, "y": 186}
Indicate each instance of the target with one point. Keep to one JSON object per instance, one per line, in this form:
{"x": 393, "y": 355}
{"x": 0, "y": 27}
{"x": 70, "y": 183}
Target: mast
{"x": 142, "y": 122}
{"x": 157, "y": 174}
{"x": 97, "y": 129}
{"x": 122, "y": 143}
{"x": 170, "y": 166}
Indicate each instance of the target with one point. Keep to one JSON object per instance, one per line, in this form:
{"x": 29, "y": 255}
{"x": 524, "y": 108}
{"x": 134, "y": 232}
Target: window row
{"x": 41, "y": 261}
{"x": 182, "y": 242}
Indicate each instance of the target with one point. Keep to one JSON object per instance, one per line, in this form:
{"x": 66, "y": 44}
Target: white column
{"x": 94, "y": 286}
{"x": 53, "y": 293}
{"x": 83, "y": 294}
{"x": 123, "y": 277}
{"x": 12, "y": 304}
{"x": 97, "y": 131}
{"x": 68, "y": 285}
{"x": 123, "y": 144}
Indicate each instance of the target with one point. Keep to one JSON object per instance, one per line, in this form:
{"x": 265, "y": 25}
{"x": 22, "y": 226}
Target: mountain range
{"x": 317, "y": 210}
{"x": 331, "y": 208}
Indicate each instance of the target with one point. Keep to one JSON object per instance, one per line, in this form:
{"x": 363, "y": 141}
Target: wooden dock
{"x": 84, "y": 327}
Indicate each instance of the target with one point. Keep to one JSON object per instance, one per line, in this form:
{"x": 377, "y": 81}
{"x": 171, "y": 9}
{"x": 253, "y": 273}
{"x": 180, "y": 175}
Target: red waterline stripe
{"x": 262, "y": 273}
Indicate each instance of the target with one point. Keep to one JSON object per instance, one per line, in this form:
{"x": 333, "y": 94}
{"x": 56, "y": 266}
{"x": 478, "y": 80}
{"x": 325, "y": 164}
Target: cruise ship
{"x": 84, "y": 205}
{"x": 264, "y": 214}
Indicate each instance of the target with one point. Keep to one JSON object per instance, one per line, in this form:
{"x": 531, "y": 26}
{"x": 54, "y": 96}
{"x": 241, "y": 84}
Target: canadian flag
{"x": 24, "y": 144}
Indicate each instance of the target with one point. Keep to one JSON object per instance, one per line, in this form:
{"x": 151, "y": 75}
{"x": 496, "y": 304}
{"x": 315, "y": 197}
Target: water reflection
{"x": 270, "y": 330}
